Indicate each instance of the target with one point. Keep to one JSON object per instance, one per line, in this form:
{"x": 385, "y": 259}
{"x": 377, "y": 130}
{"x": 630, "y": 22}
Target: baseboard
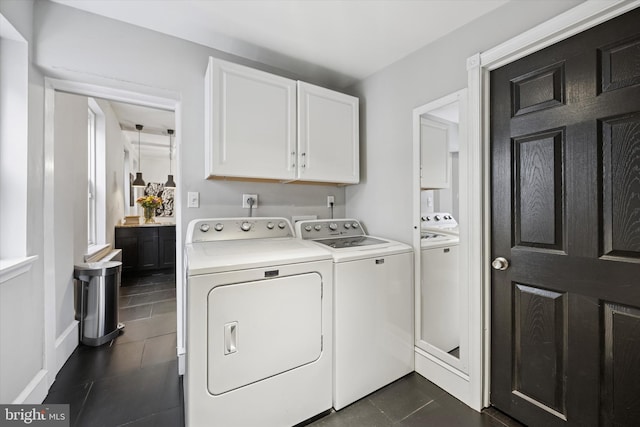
{"x": 66, "y": 343}
{"x": 36, "y": 391}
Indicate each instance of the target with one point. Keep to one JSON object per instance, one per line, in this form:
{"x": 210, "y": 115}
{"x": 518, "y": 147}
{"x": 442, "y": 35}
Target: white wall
{"x": 71, "y": 189}
{"x": 21, "y": 299}
{"x": 383, "y": 199}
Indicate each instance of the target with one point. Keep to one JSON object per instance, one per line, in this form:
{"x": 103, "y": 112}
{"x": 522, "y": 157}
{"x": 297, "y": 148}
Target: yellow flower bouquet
{"x": 150, "y": 204}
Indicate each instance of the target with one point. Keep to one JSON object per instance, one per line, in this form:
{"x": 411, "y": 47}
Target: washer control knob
{"x": 218, "y": 227}
{"x": 333, "y": 226}
{"x": 246, "y": 226}
{"x": 347, "y": 225}
{"x": 204, "y": 227}
{"x": 282, "y": 225}
{"x": 437, "y": 217}
{"x": 317, "y": 227}
{"x": 355, "y": 225}
{"x": 270, "y": 225}
{"x": 308, "y": 228}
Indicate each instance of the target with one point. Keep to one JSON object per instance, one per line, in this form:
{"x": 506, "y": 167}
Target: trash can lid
{"x": 104, "y": 268}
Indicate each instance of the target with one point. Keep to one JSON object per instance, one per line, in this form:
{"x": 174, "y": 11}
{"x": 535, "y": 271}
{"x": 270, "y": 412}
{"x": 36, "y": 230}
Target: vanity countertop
{"x": 156, "y": 224}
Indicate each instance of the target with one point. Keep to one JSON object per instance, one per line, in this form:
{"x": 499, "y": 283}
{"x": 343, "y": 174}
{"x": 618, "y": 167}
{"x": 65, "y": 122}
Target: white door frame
{"x": 576, "y": 20}
{"x": 163, "y": 101}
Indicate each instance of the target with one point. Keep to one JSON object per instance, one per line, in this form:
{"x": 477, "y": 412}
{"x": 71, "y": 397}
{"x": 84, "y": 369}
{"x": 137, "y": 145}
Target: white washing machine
{"x": 440, "y": 260}
{"x": 259, "y": 324}
{"x": 373, "y": 307}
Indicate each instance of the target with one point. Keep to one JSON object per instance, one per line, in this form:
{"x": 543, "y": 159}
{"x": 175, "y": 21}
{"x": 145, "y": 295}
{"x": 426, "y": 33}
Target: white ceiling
{"x": 352, "y": 38}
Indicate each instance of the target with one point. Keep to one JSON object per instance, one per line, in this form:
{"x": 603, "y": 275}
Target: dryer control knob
{"x": 282, "y": 225}
{"x": 437, "y": 217}
{"x": 270, "y": 225}
{"x": 355, "y": 225}
{"x": 347, "y": 225}
{"x": 204, "y": 227}
{"x": 246, "y": 226}
{"x": 317, "y": 227}
{"x": 218, "y": 227}
{"x": 308, "y": 228}
{"x": 333, "y": 226}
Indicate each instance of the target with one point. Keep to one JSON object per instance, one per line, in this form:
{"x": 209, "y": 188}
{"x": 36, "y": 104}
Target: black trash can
{"x": 97, "y": 287}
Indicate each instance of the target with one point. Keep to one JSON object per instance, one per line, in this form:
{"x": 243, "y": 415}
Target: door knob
{"x": 500, "y": 263}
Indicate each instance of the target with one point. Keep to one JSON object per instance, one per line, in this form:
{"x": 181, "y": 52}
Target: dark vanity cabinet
{"x": 147, "y": 248}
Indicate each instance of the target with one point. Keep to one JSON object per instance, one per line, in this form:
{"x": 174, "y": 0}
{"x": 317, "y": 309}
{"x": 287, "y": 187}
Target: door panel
{"x": 565, "y": 153}
{"x": 262, "y": 328}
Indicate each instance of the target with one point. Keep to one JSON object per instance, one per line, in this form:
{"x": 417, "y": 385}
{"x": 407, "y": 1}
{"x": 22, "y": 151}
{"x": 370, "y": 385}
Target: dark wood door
{"x": 565, "y": 156}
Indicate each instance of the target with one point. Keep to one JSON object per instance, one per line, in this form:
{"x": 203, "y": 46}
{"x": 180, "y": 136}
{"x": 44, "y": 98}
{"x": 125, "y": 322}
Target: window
{"x": 91, "y": 176}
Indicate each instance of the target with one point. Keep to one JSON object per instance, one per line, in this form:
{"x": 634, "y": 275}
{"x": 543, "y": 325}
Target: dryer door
{"x": 263, "y": 328}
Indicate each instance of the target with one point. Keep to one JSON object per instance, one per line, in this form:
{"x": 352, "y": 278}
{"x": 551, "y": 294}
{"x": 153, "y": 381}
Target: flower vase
{"x": 149, "y": 213}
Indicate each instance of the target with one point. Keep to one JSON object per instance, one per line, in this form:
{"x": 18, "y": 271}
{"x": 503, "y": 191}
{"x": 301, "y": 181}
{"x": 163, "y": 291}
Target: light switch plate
{"x": 193, "y": 199}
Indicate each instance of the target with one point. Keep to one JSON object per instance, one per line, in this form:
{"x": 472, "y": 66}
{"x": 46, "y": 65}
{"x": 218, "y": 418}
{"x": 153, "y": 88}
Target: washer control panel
{"x": 326, "y": 228}
{"x": 438, "y": 219}
{"x": 214, "y": 229}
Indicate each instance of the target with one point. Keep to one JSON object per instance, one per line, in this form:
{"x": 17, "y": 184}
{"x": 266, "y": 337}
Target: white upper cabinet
{"x": 328, "y": 135}
{"x": 254, "y": 130}
{"x": 434, "y": 154}
{"x": 250, "y": 119}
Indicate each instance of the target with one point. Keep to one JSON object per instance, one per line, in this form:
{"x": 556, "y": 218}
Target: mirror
{"x": 441, "y": 291}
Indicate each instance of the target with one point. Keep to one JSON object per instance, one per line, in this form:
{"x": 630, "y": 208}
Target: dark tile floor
{"x": 133, "y": 380}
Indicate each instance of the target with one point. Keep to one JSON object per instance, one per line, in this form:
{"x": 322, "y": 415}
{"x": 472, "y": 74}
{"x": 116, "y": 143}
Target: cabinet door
{"x": 328, "y": 135}
{"x": 148, "y": 248}
{"x": 434, "y": 154}
{"x": 128, "y": 242}
{"x": 250, "y": 121}
{"x": 167, "y": 248}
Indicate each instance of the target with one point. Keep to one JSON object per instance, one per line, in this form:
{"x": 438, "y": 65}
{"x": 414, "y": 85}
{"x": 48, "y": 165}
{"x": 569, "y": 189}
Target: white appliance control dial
{"x": 246, "y": 226}
{"x": 333, "y": 226}
{"x": 204, "y": 227}
{"x": 270, "y": 225}
{"x": 347, "y": 225}
{"x": 355, "y": 225}
{"x": 437, "y": 217}
{"x": 318, "y": 227}
{"x": 282, "y": 225}
{"x": 218, "y": 227}
{"x": 308, "y": 228}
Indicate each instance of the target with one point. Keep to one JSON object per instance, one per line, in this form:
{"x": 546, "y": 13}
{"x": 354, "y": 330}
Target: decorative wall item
{"x": 166, "y": 194}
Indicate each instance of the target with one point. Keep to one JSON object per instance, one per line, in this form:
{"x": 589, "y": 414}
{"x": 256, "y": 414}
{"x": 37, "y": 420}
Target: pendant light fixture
{"x": 170, "y": 182}
{"x": 139, "y": 182}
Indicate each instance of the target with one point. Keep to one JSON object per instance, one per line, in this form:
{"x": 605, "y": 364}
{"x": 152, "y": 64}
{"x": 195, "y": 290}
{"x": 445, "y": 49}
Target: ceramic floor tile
{"x": 134, "y": 330}
{"x": 159, "y": 349}
{"x": 173, "y": 417}
{"x": 162, "y": 324}
{"x": 501, "y": 417}
{"x": 141, "y": 289}
{"x": 134, "y": 313}
{"x": 74, "y": 396}
{"x": 120, "y": 399}
{"x": 358, "y": 414}
{"x": 404, "y": 396}
{"x": 154, "y": 296}
{"x": 448, "y": 411}
{"x": 163, "y": 307}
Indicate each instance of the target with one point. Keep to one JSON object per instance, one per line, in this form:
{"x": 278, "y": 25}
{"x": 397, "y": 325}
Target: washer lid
{"x": 219, "y": 256}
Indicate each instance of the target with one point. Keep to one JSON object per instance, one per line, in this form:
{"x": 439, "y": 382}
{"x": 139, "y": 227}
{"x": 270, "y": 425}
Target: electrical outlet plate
{"x": 330, "y": 200}
{"x": 245, "y": 198}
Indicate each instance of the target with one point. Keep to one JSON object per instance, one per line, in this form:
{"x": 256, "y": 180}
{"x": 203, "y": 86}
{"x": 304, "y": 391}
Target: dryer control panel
{"x": 242, "y": 228}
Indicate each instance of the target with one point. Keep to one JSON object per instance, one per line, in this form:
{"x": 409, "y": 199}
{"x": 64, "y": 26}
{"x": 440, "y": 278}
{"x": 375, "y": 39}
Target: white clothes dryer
{"x": 373, "y": 307}
{"x": 259, "y": 324}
